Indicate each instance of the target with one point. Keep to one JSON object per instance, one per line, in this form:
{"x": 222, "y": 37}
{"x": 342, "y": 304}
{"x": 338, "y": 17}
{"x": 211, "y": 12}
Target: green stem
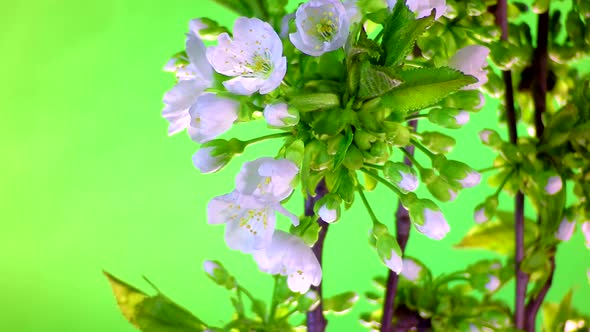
{"x": 459, "y": 275}
{"x": 382, "y": 180}
{"x": 416, "y": 116}
{"x": 423, "y": 149}
{"x": 412, "y": 159}
{"x": 273, "y": 300}
{"x": 504, "y": 183}
{"x": 491, "y": 168}
{"x": 367, "y": 206}
{"x": 379, "y": 167}
{"x": 267, "y": 137}
{"x": 247, "y": 293}
{"x": 287, "y": 315}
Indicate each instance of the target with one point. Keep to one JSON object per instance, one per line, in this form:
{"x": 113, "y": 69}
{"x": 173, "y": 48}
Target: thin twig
{"x": 500, "y": 12}
{"x": 403, "y": 225}
{"x": 316, "y": 322}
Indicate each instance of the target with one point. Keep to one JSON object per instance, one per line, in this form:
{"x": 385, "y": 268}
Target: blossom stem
{"x": 246, "y": 292}
{"x": 411, "y": 158}
{"x": 264, "y": 138}
{"x": 492, "y": 168}
{"x": 423, "y": 148}
{"x": 416, "y": 116}
{"x": 367, "y": 206}
{"x": 379, "y": 167}
{"x": 382, "y": 180}
{"x": 316, "y": 322}
{"x": 273, "y": 300}
{"x": 504, "y": 181}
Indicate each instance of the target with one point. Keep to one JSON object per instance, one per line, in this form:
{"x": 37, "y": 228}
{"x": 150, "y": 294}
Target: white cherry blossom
{"x": 254, "y": 57}
{"x": 422, "y": 8}
{"x": 193, "y": 79}
{"x": 471, "y": 60}
{"x": 211, "y": 116}
{"x": 267, "y": 179}
{"x": 289, "y": 256}
{"x": 280, "y": 115}
{"x": 250, "y": 222}
{"x": 322, "y": 26}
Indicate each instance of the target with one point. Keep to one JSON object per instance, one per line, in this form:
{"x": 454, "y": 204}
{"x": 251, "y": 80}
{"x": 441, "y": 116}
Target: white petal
{"x": 196, "y": 51}
{"x": 211, "y": 116}
{"x": 462, "y": 118}
{"x": 267, "y": 178}
{"x": 209, "y": 267}
{"x": 422, "y": 8}
{"x": 472, "y": 179}
{"x": 205, "y": 163}
{"x": 471, "y": 60}
{"x": 409, "y": 181}
{"x": 480, "y": 216}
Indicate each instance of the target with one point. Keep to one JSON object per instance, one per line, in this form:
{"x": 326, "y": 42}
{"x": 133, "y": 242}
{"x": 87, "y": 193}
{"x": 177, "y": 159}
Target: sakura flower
{"x": 422, "y": 8}
{"x": 211, "y": 116}
{"x": 193, "y": 79}
{"x": 250, "y": 222}
{"x": 322, "y": 26}
{"x": 471, "y": 60}
{"x": 289, "y": 256}
{"x": 353, "y": 11}
{"x": 565, "y": 230}
{"x": 280, "y": 115}
{"x": 254, "y": 57}
{"x": 586, "y": 231}
{"x": 267, "y": 179}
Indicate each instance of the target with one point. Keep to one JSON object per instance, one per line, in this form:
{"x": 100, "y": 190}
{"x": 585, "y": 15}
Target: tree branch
{"x": 403, "y": 225}
{"x": 500, "y": 12}
{"x": 540, "y": 72}
{"x": 316, "y": 322}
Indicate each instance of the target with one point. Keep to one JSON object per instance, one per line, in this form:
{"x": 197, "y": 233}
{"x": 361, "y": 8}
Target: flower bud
{"x": 281, "y": 115}
{"x": 566, "y": 227}
{"x": 493, "y": 283}
{"x": 553, "y": 185}
{"x": 428, "y": 219}
{"x": 215, "y": 154}
{"x": 586, "y": 231}
{"x": 465, "y": 99}
{"x": 219, "y": 274}
{"x": 328, "y": 208}
{"x": 437, "y": 142}
{"x": 486, "y": 210}
{"x": 457, "y": 171}
{"x": 490, "y": 138}
{"x": 401, "y": 175}
{"x": 390, "y": 252}
{"x": 441, "y": 189}
{"x": 412, "y": 270}
{"x": 448, "y": 117}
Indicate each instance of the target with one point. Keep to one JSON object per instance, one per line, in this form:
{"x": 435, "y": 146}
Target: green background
{"x": 89, "y": 179}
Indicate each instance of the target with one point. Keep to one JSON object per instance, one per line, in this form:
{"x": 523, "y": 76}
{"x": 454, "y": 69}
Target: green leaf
{"x": 342, "y": 148}
{"x": 376, "y": 80}
{"x": 400, "y": 33}
{"x": 314, "y": 101}
{"x": 497, "y": 235}
{"x": 341, "y": 303}
{"x": 152, "y": 313}
{"x": 424, "y": 87}
{"x": 555, "y": 316}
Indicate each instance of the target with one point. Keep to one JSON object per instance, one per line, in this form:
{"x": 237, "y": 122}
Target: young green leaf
{"x": 424, "y": 87}
{"x": 152, "y": 313}
{"x": 376, "y": 80}
{"x": 341, "y": 303}
{"x": 401, "y": 32}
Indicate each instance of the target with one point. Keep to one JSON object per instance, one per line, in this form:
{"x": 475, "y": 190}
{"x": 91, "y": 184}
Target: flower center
{"x": 326, "y": 27}
{"x": 260, "y": 66}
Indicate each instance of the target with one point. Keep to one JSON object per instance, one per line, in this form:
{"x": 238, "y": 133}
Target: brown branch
{"x": 403, "y": 225}
{"x": 522, "y": 279}
{"x": 316, "y": 322}
{"x": 540, "y": 72}
{"x": 532, "y": 308}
